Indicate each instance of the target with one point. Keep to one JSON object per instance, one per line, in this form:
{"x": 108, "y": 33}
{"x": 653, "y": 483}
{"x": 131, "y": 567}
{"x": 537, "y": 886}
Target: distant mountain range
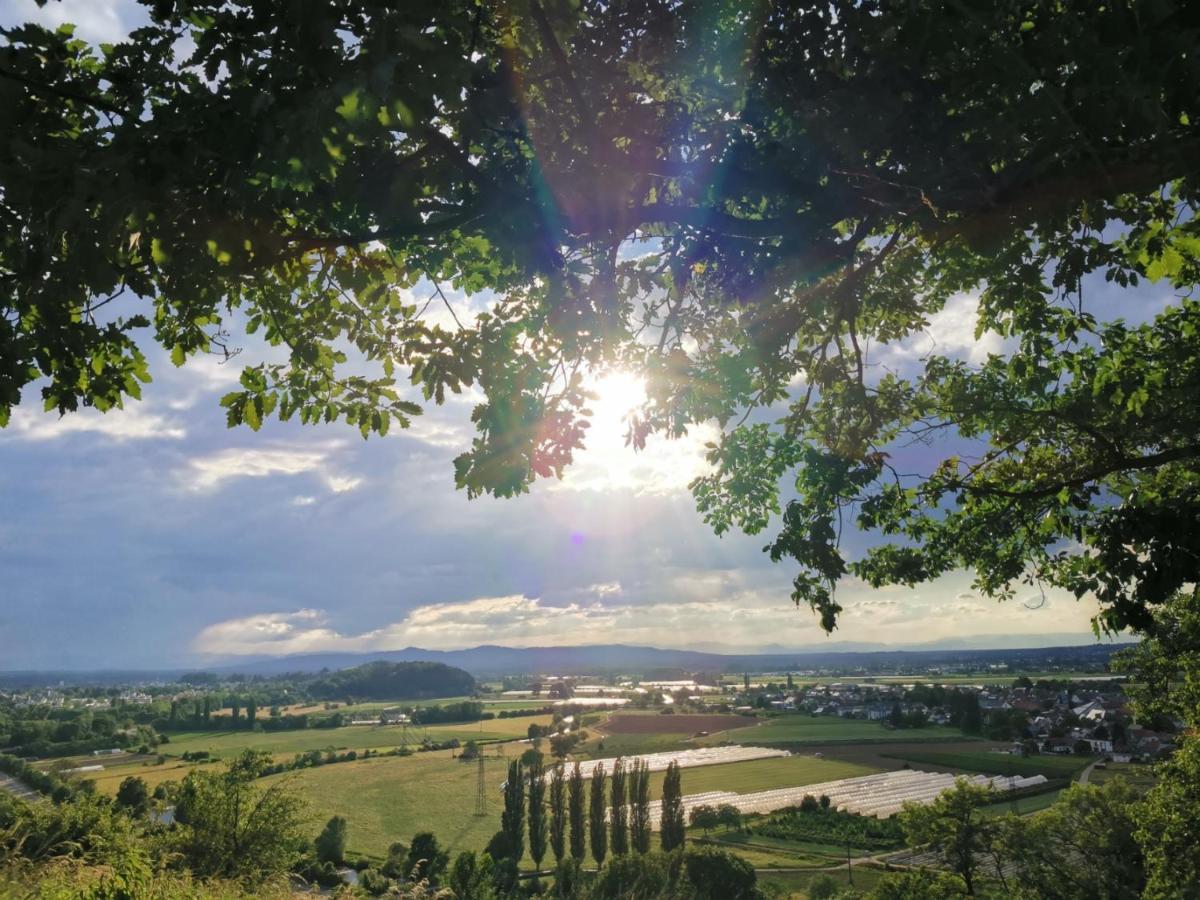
{"x": 491, "y": 661}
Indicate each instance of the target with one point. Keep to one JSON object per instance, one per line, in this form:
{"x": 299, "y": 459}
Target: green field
{"x": 1028, "y": 804}
{"x": 805, "y": 729}
{"x": 391, "y": 798}
{"x": 606, "y": 745}
{"x": 1002, "y": 763}
{"x": 1140, "y": 776}
{"x": 350, "y": 737}
{"x": 760, "y": 775}
{"x": 794, "y": 884}
{"x": 285, "y": 744}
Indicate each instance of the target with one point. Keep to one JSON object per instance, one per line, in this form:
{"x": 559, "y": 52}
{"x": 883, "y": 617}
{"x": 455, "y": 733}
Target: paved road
{"x": 1087, "y": 773}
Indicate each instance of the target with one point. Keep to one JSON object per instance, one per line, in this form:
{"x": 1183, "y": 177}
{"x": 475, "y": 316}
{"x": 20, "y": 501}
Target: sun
{"x": 618, "y": 395}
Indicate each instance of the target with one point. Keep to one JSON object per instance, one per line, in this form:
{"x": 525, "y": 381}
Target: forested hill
{"x": 393, "y": 681}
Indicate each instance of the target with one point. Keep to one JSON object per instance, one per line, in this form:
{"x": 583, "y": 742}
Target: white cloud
{"x": 133, "y": 423}
{"x": 96, "y": 21}
{"x": 207, "y": 473}
{"x": 705, "y": 608}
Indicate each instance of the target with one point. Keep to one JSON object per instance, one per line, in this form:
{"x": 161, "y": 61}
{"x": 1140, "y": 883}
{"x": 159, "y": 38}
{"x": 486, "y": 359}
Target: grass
{"x": 602, "y": 746}
{"x": 760, "y": 775}
{"x": 795, "y": 884}
{"x": 1002, "y": 764}
{"x": 805, "y": 729}
{"x": 1140, "y": 776}
{"x": 392, "y": 798}
{"x": 224, "y": 744}
{"x": 283, "y": 745}
{"x": 1030, "y": 803}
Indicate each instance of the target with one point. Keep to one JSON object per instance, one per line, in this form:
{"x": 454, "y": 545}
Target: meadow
{"x": 800, "y": 728}
{"x": 223, "y": 744}
{"x": 391, "y": 798}
{"x": 1001, "y": 763}
{"x": 283, "y": 745}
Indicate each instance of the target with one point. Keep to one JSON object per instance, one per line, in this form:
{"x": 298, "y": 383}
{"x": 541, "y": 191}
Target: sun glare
{"x": 607, "y": 462}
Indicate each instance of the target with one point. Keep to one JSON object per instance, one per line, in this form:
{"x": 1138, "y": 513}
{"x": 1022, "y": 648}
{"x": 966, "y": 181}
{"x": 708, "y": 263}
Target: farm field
{"x": 805, "y": 729}
{"x": 1138, "y": 775}
{"x": 1001, "y": 763}
{"x": 391, "y": 798}
{"x": 794, "y": 884}
{"x": 760, "y": 775}
{"x": 674, "y": 724}
{"x": 1024, "y": 805}
{"x": 224, "y": 744}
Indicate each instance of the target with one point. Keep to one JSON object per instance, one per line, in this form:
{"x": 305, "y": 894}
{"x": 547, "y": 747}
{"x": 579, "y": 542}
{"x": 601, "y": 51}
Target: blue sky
{"x": 154, "y": 536}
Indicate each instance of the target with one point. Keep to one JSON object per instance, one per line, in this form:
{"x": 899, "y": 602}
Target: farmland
{"x": 1001, "y": 763}
{"x": 224, "y": 744}
{"x": 797, "y": 728}
{"x": 391, "y": 798}
{"x": 283, "y": 745}
{"x": 674, "y": 724}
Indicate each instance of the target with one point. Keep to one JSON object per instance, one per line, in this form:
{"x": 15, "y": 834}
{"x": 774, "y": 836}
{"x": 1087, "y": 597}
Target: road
{"x": 1087, "y": 773}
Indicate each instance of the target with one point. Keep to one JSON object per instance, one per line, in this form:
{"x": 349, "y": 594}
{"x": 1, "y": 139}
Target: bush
{"x": 331, "y": 842}
{"x": 823, "y": 887}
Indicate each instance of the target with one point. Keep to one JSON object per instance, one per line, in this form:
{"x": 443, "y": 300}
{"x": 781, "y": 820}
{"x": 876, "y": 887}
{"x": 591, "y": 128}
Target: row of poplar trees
{"x": 561, "y": 824}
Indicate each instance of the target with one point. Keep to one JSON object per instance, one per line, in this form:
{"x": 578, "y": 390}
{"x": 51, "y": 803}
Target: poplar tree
{"x": 558, "y": 812}
{"x": 576, "y": 814}
{"x": 639, "y": 807}
{"x": 596, "y": 824}
{"x": 618, "y": 816}
{"x": 512, "y": 820}
{"x": 537, "y": 812}
{"x": 672, "y": 831}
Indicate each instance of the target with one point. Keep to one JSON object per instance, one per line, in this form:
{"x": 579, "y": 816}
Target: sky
{"x": 157, "y": 537}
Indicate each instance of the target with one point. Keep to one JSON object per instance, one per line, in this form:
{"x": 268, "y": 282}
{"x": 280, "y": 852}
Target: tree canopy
{"x": 746, "y": 203}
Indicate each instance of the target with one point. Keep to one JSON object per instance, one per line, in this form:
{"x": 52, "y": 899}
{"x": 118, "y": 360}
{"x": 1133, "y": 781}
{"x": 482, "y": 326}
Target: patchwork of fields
{"x": 804, "y": 729}
{"x": 389, "y": 798}
{"x": 674, "y": 724}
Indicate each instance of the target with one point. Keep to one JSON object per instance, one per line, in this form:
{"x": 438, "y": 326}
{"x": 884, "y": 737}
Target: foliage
{"x": 1167, "y": 664}
{"x": 637, "y": 877}
{"x": 512, "y": 819}
{"x": 672, "y": 831}
{"x": 393, "y": 681}
{"x": 597, "y": 829}
{"x": 299, "y": 172}
{"x": 719, "y": 875}
{"x": 826, "y": 826}
{"x": 133, "y": 795}
{"x": 919, "y": 884}
{"x": 618, "y": 810}
{"x": 1083, "y": 846}
{"x": 576, "y": 815}
{"x": 471, "y": 877}
{"x": 229, "y": 827}
{"x": 426, "y": 861}
{"x": 538, "y": 826}
{"x": 639, "y": 806}
{"x": 558, "y": 812}
{"x": 823, "y": 887}
{"x": 955, "y": 825}
{"x": 331, "y": 842}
